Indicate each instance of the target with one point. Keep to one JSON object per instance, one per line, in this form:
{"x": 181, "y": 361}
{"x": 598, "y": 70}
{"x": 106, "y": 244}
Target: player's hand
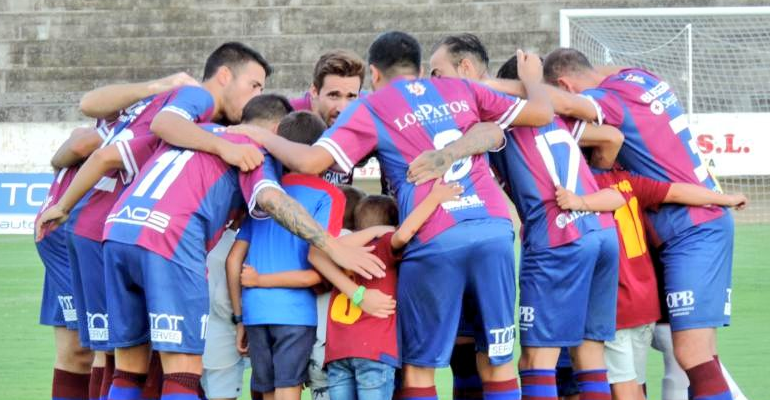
{"x": 378, "y": 304}
{"x": 241, "y": 339}
{"x": 244, "y": 156}
{"x": 173, "y": 81}
{"x": 249, "y": 276}
{"x": 568, "y": 200}
{"x": 738, "y": 201}
{"x": 51, "y": 219}
{"x": 428, "y": 166}
{"x": 357, "y": 259}
{"x": 253, "y": 132}
{"x": 446, "y": 192}
{"x": 529, "y": 66}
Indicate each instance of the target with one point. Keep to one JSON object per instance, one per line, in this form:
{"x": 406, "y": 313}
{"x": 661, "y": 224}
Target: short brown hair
{"x": 353, "y": 196}
{"x": 301, "y": 127}
{"x": 376, "y": 210}
{"x": 342, "y": 63}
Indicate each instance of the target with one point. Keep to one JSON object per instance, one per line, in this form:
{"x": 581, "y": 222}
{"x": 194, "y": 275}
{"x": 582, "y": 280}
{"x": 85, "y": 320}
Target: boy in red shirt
{"x": 361, "y": 343}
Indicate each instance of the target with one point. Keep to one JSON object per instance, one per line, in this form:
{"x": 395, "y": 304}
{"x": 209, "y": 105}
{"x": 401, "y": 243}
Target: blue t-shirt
{"x": 273, "y": 249}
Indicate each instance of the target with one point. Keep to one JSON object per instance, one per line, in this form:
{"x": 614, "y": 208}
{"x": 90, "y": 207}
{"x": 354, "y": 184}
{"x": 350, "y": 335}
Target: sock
{"x": 428, "y": 393}
{"x": 707, "y": 382}
{"x": 593, "y": 384}
{"x": 69, "y": 385}
{"x": 181, "y": 386}
{"x": 95, "y": 383}
{"x": 538, "y": 384}
{"x": 153, "y": 386}
{"x": 126, "y": 385}
{"x": 506, "y": 390}
{"x": 109, "y": 371}
{"x": 467, "y": 382}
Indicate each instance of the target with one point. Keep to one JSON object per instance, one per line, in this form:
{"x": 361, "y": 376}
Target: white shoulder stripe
{"x": 516, "y": 110}
{"x": 335, "y": 150}
{"x": 176, "y": 110}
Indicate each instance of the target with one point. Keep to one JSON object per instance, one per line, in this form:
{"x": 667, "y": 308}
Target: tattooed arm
{"x": 292, "y": 216}
{"x": 432, "y": 164}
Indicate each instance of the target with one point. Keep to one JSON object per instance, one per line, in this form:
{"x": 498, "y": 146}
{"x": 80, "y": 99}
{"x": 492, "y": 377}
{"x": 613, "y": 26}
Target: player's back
{"x": 180, "y": 201}
{"x": 658, "y": 142}
{"x": 274, "y": 249}
{"x": 529, "y": 167}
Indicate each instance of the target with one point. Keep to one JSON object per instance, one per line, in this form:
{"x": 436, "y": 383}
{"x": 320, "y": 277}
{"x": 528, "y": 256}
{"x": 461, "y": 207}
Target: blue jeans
{"x": 360, "y": 379}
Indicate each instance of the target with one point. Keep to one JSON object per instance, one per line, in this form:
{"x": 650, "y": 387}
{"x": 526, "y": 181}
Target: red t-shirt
{"x": 350, "y": 332}
{"x": 638, "y": 301}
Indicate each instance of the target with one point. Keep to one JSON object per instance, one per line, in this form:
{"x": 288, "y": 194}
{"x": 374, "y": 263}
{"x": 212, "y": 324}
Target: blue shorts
{"x": 152, "y": 299}
{"x": 89, "y": 292}
{"x": 474, "y": 257}
{"x": 697, "y": 270}
{"x": 57, "y": 307}
{"x": 279, "y": 355}
{"x": 569, "y": 293}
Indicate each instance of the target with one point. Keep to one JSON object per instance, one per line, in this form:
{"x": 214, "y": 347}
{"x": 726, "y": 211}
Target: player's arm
{"x": 606, "y": 142}
{"x": 97, "y": 165}
{"x": 694, "y": 195}
{"x": 439, "y": 194}
{"x": 538, "y": 111}
{"x": 233, "y": 266}
{"x": 433, "y": 164}
{"x": 563, "y": 102}
{"x": 374, "y": 301}
{"x": 250, "y": 277}
{"x": 107, "y": 101}
{"x": 81, "y": 143}
{"x": 292, "y": 216}
{"x": 603, "y": 200}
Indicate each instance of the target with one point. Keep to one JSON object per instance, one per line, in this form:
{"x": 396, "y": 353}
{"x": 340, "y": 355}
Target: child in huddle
{"x": 361, "y": 331}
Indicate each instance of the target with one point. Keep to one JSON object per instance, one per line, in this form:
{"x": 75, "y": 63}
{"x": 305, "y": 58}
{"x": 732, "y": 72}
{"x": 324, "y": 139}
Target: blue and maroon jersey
{"x": 533, "y": 162}
{"x": 191, "y": 102}
{"x": 408, "y": 117}
{"x": 181, "y": 199}
{"x": 658, "y": 143}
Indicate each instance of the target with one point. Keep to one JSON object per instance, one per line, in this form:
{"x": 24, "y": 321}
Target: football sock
{"x": 69, "y": 385}
{"x": 538, "y": 384}
{"x": 153, "y": 386}
{"x": 707, "y": 382}
{"x": 428, "y": 393}
{"x": 109, "y": 371}
{"x": 95, "y": 383}
{"x": 126, "y": 385}
{"x": 181, "y": 386}
{"x": 506, "y": 390}
{"x": 593, "y": 384}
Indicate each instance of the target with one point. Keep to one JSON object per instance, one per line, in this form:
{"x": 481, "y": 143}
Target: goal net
{"x": 718, "y": 62}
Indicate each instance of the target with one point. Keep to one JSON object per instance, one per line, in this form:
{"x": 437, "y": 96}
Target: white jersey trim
{"x": 178, "y": 111}
{"x": 254, "y": 210}
{"x": 342, "y": 159}
{"x": 130, "y": 168}
{"x": 510, "y": 115}
{"x": 597, "y": 107}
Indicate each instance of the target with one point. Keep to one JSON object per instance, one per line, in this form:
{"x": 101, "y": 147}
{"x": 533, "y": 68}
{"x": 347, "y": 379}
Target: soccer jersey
{"x": 658, "y": 142}
{"x": 352, "y": 333}
{"x": 273, "y": 249}
{"x": 191, "y": 102}
{"x": 179, "y": 203}
{"x": 408, "y": 117}
{"x": 534, "y": 161}
{"x": 637, "y": 287}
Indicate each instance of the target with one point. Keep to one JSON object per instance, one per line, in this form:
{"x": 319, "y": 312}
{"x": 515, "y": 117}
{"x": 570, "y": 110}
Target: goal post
{"x": 717, "y": 59}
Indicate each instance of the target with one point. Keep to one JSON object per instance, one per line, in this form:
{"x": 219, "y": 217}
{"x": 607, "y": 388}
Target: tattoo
{"x": 292, "y": 216}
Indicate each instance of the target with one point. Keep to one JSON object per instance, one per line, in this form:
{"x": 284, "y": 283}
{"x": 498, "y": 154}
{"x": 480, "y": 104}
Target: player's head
{"x": 376, "y": 210}
{"x": 337, "y": 79}
{"x": 459, "y": 56}
{"x": 510, "y": 69}
{"x": 266, "y": 111}
{"x": 569, "y": 69}
{"x": 301, "y": 127}
{"x": 393, "y": 54}
{"x": 234, "y": 73}
{"x": 353, "y": 196}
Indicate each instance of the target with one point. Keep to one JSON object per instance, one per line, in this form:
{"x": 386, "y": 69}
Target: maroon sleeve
{"x": 650, "y": 192}
{"x": 384, "y": 250}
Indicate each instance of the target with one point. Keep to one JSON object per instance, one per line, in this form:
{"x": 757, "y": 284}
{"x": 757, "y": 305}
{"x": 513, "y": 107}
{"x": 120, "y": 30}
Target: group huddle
{"x": 360, "y": 296}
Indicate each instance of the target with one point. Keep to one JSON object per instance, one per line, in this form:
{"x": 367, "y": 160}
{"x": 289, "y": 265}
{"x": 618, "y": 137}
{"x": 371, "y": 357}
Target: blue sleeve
{"x": 245, "y": 232}
{"x": 192, "y": 103}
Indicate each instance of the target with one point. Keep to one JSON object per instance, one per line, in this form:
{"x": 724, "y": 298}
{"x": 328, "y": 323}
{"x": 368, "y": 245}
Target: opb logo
{"x": 67, "y": 308}
{"x": 527, "y": 314}
{"x": 680, "y": 299}
{"x": 98, "y": 327}
{"x": 165, "y": 328}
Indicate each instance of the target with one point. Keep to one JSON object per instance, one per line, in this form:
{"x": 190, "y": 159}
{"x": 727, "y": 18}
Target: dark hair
{"x": 301, "y": 127}
{"x": 564, "y": 61}
{"x": 394, "y": 53}
{"x": 233, "y": 55}
{"x": 266, "y": 107}
{"x": 509, "y": 70}
{"x": 353, "y": 196}
{"x": 464, "y": 45}
{"x": 376, "y": 210}
{"x": 340, "y": 63}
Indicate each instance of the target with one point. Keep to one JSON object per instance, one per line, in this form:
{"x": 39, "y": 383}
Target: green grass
{"x": 27, "y": 353}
